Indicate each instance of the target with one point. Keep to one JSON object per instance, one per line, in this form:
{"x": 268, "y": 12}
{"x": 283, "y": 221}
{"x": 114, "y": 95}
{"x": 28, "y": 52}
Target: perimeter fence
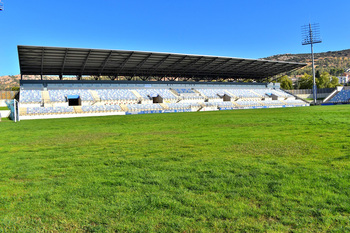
{"x": 7, "y": 95}
{"x": 309, "y": 91}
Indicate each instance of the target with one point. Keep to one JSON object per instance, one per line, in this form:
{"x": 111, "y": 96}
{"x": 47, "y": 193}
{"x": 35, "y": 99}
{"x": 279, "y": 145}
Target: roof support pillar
{"x": 144, "y": 78}
{"x": 64, "y": 61}
{"x": 105, "y": 62}
{"x": 84, "y": 65}
{"x": 112, "y": 77}
{"x": 160, "y": 78}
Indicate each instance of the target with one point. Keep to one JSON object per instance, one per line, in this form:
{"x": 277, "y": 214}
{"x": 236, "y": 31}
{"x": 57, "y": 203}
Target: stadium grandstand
{"x": 196, "y": 92}
{"x": 341, "y": 95}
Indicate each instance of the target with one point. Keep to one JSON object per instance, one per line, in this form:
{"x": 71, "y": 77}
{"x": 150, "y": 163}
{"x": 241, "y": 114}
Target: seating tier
{"x": 342, "y": 96}
{"x": 30, "y": 96}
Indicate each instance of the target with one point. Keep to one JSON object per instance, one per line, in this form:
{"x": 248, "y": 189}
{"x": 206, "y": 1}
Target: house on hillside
{"x": 345, "y": 77}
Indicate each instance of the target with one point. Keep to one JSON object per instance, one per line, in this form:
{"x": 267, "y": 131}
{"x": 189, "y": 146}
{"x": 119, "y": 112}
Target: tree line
{"x": 323, "y": 80}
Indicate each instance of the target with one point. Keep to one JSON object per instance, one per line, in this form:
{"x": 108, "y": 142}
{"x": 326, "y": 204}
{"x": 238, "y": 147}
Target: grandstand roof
{"x": 39, "y": 60}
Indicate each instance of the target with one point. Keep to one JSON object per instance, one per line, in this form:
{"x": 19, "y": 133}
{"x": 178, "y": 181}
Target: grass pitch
{"x": 259, "y": 170}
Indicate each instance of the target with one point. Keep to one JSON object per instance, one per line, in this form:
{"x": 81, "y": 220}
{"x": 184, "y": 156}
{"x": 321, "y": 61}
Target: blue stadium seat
{"x": 342, "y": 97}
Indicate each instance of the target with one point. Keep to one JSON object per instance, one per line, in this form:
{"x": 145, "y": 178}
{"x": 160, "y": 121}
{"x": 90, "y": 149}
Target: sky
{"x": 232, "y": 28}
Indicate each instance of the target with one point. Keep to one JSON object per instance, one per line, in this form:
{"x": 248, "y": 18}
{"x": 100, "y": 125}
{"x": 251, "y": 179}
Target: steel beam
{"x": 84, "y": 65}
{"x": 138, "y": 66}
{"x": 207, "y": 64}
{"x": 189, "y": 65}
{"x": 177, "y": 62}
{"x": 160, "y": 62}
{"x": 42, "y": 63}
{"x": 124, "y": 62}
{"x": 105, "y": 62}
{"x": 221, "y": 64}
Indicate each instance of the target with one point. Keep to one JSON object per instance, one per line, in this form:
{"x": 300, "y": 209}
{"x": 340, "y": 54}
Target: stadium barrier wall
{"x": 33, "y": 117}
{"x": 36, "y": 117}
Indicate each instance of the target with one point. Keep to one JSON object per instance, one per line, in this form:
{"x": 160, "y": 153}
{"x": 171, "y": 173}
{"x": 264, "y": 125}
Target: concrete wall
{"x": 319, "y": 95}
{"x": 2, "y": 103}
{"x": 5, "y": 113}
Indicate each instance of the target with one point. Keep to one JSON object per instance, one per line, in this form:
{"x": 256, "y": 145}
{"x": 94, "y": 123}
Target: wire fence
{"x": 309, "y": 91}
{"x": 7, "y": 95}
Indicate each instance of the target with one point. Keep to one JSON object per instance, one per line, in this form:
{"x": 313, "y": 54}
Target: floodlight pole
{"x": 314, "y": 90}
{"x": 311, "y": 37}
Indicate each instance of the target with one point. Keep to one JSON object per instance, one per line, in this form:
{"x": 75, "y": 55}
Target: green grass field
{"x": 275, "y": 170}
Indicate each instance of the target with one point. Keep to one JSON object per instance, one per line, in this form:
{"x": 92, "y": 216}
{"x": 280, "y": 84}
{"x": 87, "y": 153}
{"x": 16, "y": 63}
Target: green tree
{"x": 318, "y": 75}
{"x": 334, "y": 82}
{"x": 286, "y": 82}
{"x": 323, "y": 81}
{"x": 305, "y": 81}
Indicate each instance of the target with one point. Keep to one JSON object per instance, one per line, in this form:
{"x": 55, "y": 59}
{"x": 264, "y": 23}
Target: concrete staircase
{"x": 164, "y": 106}
{"x": 285, "y": 103}
{"x": 45, "y": 97}
{"x": 200, "y": 94}
{"x": 201, "y": 106}
{"x": 176, "y": 95}
{"x": 235, "y": 97}
{"x": 237, "y": 105}
{"x": 77, "y": 109}
{"x": 174, "y": 92}
{"x": 123, "y": 107}
{"x": 139, "y": 97}
{"x": 22, "y": 111}
{"x": 255, "y": 93}
{"x": 136, "y": 94}
{"x": 296, "y": 96}
{"x": 95, "y": 96}
{"x": 336, "y": 91}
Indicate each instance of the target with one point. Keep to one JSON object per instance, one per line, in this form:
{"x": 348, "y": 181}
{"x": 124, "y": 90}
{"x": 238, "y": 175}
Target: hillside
{"x": 9, "y": 81}
{"x": 334, "y": 62}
